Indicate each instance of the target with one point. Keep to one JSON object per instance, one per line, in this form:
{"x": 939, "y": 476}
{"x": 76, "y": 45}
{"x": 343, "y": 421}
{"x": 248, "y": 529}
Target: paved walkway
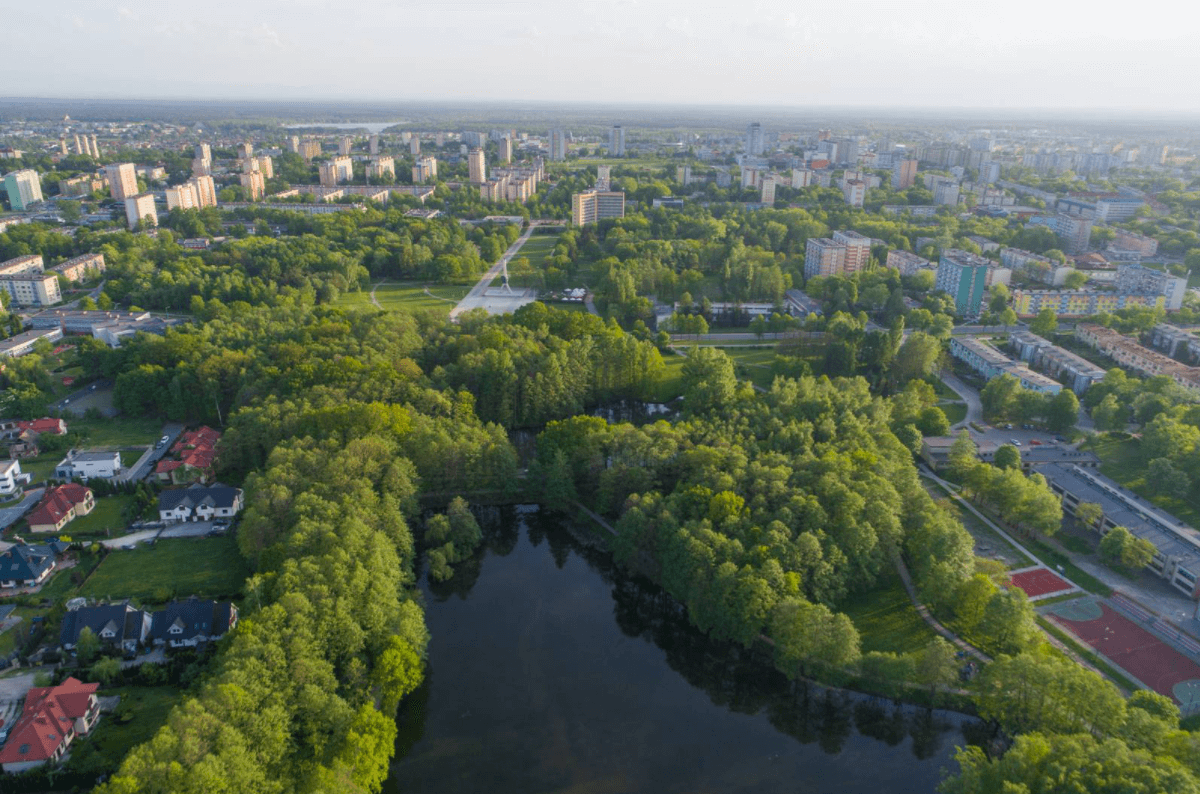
{"x": 968, "y": 395}
{"x": 475, "y": 298}
{"x": 923, "y": 611}
{"x": 11, "y": 515}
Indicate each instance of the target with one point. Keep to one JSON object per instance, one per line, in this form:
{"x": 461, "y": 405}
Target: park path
{"x": 473, "y": 299}
{"x": 968, "y": 395}
{"x": 933, "y": 622}
{"x": 373, "y": 298}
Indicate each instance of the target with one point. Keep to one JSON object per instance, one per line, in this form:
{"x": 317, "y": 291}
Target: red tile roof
{"x": 203, "y": 437}
{"x": 48, "y": 714}
{"x": 57, "y": 503}
{"x": 44, "y": 425}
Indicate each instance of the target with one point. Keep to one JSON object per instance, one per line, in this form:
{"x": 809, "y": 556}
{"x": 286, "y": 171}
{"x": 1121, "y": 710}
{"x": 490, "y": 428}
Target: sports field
{"x": 1142, "y": 655}
{"x": 1038, "y": 582}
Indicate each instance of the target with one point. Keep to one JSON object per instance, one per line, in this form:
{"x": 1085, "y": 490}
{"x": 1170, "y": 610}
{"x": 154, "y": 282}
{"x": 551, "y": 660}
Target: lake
{"x": 550, "y": 670}
{"x": 371, "y": 127}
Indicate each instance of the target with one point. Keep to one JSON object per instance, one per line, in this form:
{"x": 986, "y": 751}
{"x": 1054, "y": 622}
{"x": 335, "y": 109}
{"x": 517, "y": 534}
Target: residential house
{"x": 11, "y": 477}
{"x": 86, "y": 464}
{"x": 59, "y": 506}
{"x": 28, "y": 565}
{"x": 195, "y": 451}
{"x": 199, "y": 503}
{"x": 184, "y": 624}
{"x": 118, "y": 625}
{"x": 50, "y": 720}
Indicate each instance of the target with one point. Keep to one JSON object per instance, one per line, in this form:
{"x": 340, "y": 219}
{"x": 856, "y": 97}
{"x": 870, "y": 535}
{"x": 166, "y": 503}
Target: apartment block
{"x": 77, "y": 268}
{"x": 1075, "y": 232}
{"x": 506, "y": 150}
{"x": 909, "y": 264}
{"x": 245, "y": 151}
{"x": 80, "y": 186}
{"x": 203, "y": 151}
{"x": 24, "y": 187}
{"x": 991, "y": 363}
{"x": 32, "y": 289}
{"x": 345, "y": 145}
{"x": 1131, "y": 355}
{"x": 558, "y": 145}
{"x": 1135, "y": 278}
{"x": 904, "y": 174}
{"x": 424, "y": 170}
{"x": 1035, "y": 266}
{"x": 206, "y": 191}
{"x": 616, "y": 141}
{"x": 854, "y": 191}
{"x": 310, "y": 150}
{"x": 378, "y": 167}
{"x": 768, "y": 191}
{"x": 122, "y": 180}
{"x": 29, "y": 263}
{"x": 965, "y": 277}
{"x": 1132, "y": 241}
{"x": 140, "y": 208}
{"x": 414, "y": 144}
{"x": 594, "y": 205}
{"x": 336, "y": 171}
{"x": 201, "y": 167}
{"x": 1078, "y": 303}
{"x": 477, "y": 166}
{"x": 1076, "y": 371}
{"x": 801, "y": 177}
{"x": 824, "y": 257}
{"x": 254, "y": 186}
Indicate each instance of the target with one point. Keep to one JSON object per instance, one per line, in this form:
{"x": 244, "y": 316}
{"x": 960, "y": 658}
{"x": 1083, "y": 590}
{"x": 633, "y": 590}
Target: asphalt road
{"x": 145, "y": 464}
{"x": 10, "y": 515}
{"x": 74, "y": 396}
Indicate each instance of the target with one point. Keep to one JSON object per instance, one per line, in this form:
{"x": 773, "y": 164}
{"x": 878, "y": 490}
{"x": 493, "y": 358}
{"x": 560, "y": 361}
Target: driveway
{"x": 84, "y": 396}
{"x": 197, "y": 529}
{"x": 11, "y": 515}
{"x": 145, "y": 465}
{"x": 968, "y": 395}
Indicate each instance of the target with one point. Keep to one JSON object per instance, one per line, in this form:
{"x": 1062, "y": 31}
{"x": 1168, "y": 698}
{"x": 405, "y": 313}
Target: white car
{"x": 1014, "y": 442}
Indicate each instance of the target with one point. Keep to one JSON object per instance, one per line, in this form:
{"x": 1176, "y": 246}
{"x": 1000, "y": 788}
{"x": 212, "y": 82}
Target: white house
{"x": 86, "y": 464}
{"x": 199, "y": 503}
{"x": 11, "y": 477}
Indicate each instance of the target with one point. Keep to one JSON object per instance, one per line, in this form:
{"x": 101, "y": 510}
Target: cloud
{"x": 124, "y": 13}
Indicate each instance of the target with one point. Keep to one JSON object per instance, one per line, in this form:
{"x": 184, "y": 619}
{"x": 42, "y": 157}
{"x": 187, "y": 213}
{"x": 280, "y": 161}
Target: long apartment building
{"x": 1131, "y": 355}
{"x": 1076, "y": 232}
{"x": 336, "y": 171}
{"x": 30, "y": 263}
{"x": 991, "y": 363}
{"x": 594, "y": 205}
{"x": 1176, "y": 545}
{"x": 909, "y": 264}
{"x": 1135, "y": 278}
{"x": 1178, "y": 343}
{"x": 1035, "y": 266}
{"x": 77, "y": 268}
{"x": 845, "y": 253}
{"x": 1076, "y": 371}
{"x": 1078, "y": 303}
{"x": 1132, "y": 241}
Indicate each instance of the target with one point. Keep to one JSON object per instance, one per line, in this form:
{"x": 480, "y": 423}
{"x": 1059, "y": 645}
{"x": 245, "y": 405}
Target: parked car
{"x": 1015, "y": 442}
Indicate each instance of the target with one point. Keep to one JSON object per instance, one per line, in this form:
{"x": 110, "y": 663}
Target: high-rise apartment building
{"x": 754, "y": 139}
{"x": 196, "y": 193}
{"x": 95, "y": 148}
{"x": 751, "y": 177}
{"x": 310, "y": 150}
{"x": 854, "y": 191}
{"x": 378, "y": 167}
{"x": 266, "y": 165}
{"x": 558, "y": 145}
{"x": 140, "y": 207}
{"x": 1075, "y": 231}
{"x": 616, "y": 141}
{"x": 24, "y": 188}
{"x": 593, "y": 205}
{"x": 181, "y": 197}
{"x": 603, "y": 177}
{"x": 122, "y": 180}
{"x": 245, "y": 151}
{"x": 373, "y": 145}
{"x": 201, "y": 167}
{"x": 904, "y": 174}
{"x": 345, "y": 145}
{"x": 336, "y": 171}
{"x": 801, "y": 177}
{"x": 858, "y": 250}
{"x": 945, "y": 192}
{"x": 254, "y": 186}
{"x": 424, "y": 170}
{"x": 203, "y": 151}
{"x": 414, "y": 145}
{"x": 506, "y": 150}
{"x": 768, "y": 191}
{"x": 964, "y": 276}
{"x": 293, "y": 144}
{"x": 823, "y": 257}
{"x": 477, "y": 166}
{"x": 206, "y": 191}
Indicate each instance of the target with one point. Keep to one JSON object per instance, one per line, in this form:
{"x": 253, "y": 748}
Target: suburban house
{"x": 119, "y": 625}
{"x": 194, "y": 452}
{"x": 23, "y": 435}
{"x": 11, "y": 477}
{"x": 86, "y": 464}
{"x": 50, "y": 721}
{"x": 59, "y": 506}
{"x": 28, "y": 565}
{"x": 184, "y": 624}
{"x": 199, "y": 503}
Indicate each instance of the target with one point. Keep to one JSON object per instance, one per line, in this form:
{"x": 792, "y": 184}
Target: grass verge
{"x": 173, "y": 568}
{"x": 886, "y": 619}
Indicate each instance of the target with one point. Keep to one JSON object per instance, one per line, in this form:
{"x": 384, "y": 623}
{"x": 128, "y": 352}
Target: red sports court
{"x": 1039, "y": 582}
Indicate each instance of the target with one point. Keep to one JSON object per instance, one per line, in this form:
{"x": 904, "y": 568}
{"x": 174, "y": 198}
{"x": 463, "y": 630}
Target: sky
{"x": 916, "y": 53}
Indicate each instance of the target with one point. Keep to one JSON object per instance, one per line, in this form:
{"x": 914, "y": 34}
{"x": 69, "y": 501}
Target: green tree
{"x": 87, "y": 645}
{"x": 104, "y": 303}
{"x": 918, "y": 356}
{"x": 1062, "y": 411}
{"x": 1109, "y": 414}
{"x": 1088, "y": 514}
{"x": 963, "y": 456}
{"x": 1007, "y": 457}
{"x": 1075, "y": 280}
{"x": 937, "y": 665}
{"x": 105, "y": 670}
{"x": 1119, "y": 547}
{"x": 999, "y": 396}
{"x": 708, "y": 379}
{"x": 1044, "y": 323}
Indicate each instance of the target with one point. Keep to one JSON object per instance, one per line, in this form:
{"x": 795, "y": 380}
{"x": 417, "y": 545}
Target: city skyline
{"x": 659, "y": 53}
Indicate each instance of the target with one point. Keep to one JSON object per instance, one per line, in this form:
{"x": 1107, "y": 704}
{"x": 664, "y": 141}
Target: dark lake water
{"x": 552, "y": 671}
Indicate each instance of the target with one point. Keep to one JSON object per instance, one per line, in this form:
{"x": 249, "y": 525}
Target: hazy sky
{"x": 920, "y": 53}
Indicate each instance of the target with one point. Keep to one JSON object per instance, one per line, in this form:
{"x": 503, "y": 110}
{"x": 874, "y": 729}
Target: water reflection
{"x": 558, "y": 672}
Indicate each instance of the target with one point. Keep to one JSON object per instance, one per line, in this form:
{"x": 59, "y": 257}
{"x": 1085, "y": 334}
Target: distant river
{"x": 553, "y": 671}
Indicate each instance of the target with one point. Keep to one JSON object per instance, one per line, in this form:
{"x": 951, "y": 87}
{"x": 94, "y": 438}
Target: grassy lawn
{"x": 41, "y": 467}
{"x": 19, "y": 633}
{"x": 537, "y": 249}
{"x": 130, "y": 457}
{"x": 105, "y": 515}
{"x": 671, "y": 384}
{"x": 999, "y": 548}
{"x": 1122, "y": 460}
{"x": 403, "y": 296}
{"x": 955, "y": 412}
{"x": 180, "y": 567}
{"x": 886, "y": 618}
{"x": 147, "y": 707}
{"x": 121, "y": 431}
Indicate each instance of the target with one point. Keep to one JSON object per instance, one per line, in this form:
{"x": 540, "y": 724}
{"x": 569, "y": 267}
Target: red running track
{"x": 1144, "y": 656}
{"x": 1039, "y": 582}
